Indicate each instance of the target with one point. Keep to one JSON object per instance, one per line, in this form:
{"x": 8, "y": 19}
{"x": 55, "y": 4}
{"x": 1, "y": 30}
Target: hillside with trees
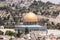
{"x": 11, "y": 15}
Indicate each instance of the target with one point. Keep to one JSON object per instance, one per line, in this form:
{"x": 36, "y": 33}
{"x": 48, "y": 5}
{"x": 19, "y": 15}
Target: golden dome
{"x": 30, "y": 17}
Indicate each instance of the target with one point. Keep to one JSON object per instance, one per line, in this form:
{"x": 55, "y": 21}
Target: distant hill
{"x": 49, "y": 3}
{"x": 2, "y": 0}
{"x": 40, "y": 4}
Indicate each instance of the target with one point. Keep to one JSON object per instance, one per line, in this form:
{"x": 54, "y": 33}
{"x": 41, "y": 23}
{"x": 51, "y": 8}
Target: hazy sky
{"x": 53, "y": 1}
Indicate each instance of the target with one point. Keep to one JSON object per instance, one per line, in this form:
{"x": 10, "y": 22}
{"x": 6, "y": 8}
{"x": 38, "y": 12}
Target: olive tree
{"x": 26, "y": 30}
{"x": 19, "y": 33}
{"x": 1, "y": 33}
{"x": 10, "y": 33}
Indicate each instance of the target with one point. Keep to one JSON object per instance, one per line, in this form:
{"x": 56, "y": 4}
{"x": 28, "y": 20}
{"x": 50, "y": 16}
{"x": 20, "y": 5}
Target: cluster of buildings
{"x": 30, "y": 21}
{"x": 17, "y": 2}
{"x": 20, "y": 3}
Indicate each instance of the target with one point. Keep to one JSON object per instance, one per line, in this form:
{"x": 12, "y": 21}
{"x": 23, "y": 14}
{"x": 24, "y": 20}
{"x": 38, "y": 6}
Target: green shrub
{"x": 26, "y": 30}
{"x": 10, "y": 33}
{"x": 1, "y": 33}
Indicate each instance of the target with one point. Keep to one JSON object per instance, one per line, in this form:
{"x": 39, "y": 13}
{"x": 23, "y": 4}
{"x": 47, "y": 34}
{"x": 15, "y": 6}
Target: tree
{"x": 10, "y": 33}
{"x": 58, "y": 25}
{"x": 49, "y": 26}
{"x": 43, "y": 21}
{"x": 26, "y": 30}
{"x": 1, "y": 33}
{"x": 19, "y": 33}
{"x": 52, "y": 23}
